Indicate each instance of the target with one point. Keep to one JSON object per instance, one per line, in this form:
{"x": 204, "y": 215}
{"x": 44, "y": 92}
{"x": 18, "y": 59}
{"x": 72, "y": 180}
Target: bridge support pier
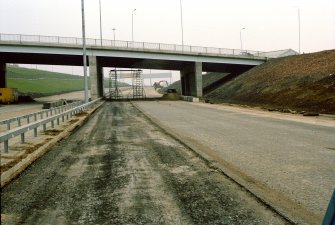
{"x": 3, "y": 81}
{"x": 191, "y": 79}
{"x": 96, "y": 78}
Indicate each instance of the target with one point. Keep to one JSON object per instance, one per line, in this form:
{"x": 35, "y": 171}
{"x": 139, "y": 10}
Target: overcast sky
{"x": 269, "y": 24}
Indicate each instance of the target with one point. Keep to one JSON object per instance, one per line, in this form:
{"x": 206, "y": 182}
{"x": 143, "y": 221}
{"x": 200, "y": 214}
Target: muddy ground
{"x": 121, "y": 169}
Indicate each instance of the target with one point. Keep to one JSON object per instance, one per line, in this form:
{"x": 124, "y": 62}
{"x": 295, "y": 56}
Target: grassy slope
{"x": 297, "y": 82}
{"x": 42, "y": 82}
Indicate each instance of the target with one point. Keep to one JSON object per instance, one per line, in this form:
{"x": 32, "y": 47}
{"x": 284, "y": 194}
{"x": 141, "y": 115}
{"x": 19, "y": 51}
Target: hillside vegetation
{"x": 303, "y": 83}
{"x": 41, "y": 83}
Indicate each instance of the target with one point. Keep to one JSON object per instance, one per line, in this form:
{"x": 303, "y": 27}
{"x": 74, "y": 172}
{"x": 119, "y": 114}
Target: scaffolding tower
{"x": 114, "y": 90}
{"x": 137, "y": 89}
{"x": 137, "y": 84}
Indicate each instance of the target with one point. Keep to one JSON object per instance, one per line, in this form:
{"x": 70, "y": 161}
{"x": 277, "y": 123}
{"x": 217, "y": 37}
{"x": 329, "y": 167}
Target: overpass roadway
{"x": 288, "y": 161}
{"x": 191, "y": 61}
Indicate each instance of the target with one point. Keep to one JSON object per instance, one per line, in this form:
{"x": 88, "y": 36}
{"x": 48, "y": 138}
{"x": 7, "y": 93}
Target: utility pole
{"x": 132, "y": 25}
{"x": 299, "y": 27}
{"x": 241, "y": 38}
{"x": 114, "y": 35}
{"x": 100, "y": 22}
{"x": 84, "y": 51}
{"x": 182, "y": 27}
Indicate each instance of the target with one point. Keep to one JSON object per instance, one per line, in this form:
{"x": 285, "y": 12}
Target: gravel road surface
{"x": 120, "y": 169}
{"x": 292, "y": 157}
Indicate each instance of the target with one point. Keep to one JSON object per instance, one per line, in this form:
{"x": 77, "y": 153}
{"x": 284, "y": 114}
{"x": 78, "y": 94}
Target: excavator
{"x": 161, "y": 84}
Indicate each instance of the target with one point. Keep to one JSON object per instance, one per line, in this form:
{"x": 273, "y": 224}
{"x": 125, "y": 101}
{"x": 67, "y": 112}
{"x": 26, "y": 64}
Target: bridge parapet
{"x": 129, "y": 45}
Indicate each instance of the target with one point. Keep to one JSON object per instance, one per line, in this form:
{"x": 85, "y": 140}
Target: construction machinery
{"x": 8, "y": 95}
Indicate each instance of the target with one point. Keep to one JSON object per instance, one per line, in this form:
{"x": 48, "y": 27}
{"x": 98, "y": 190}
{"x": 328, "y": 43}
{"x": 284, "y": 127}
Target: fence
{"x": 133, "y": 45}
{"x": 21, "y": 130}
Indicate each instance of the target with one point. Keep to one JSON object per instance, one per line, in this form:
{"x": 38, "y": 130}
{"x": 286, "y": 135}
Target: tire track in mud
{"x": 120, "y": 169}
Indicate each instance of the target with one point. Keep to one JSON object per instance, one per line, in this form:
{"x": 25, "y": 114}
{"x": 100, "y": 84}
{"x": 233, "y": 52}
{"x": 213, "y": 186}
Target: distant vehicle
{"x": 160, "y": 84}
{"x": 246, "y": 53}
{"x": 8, "y": 95}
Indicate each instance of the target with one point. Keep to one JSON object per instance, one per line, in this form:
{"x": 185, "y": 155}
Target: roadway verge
{"x": 23, "y": 161}
{"x": 290, "y": 210}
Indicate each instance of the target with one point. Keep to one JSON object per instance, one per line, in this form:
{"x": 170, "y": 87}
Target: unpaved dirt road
{"x": 121, "y": 169}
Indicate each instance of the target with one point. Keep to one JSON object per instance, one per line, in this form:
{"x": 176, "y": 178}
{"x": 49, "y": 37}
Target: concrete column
{"x": 96, "y": 77}
{"x": 3, "y": 80}
{"x": 191, "y": 79}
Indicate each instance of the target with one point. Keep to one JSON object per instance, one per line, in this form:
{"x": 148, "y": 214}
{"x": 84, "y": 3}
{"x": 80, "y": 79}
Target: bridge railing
{"x": 73, "y": 41}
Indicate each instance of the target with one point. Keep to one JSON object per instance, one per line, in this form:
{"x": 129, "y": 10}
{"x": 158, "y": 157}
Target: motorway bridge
{"x": 191, "y": 61}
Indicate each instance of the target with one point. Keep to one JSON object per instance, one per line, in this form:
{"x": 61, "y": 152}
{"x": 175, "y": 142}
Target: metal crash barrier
{"x": 21, "y": 130}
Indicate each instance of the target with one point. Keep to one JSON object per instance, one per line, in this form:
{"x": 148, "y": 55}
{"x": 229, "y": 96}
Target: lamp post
{"x": 241, "y": 38}
{"x": 100, "y": 22}
{"x": 299, "y": 27}
{"x": 182, "y": 28}
{"x": 84, "y": 51}
{"x": 114, "y": 35}
{"x": 132, "y": 25}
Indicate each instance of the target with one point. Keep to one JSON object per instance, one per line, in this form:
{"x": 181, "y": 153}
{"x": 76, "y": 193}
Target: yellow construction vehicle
{"x": 8, "y": 95}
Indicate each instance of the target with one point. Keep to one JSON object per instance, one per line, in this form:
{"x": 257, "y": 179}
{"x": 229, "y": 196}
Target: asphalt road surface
{"x": 120, "y": 169}
{"x": 291, "y": 155}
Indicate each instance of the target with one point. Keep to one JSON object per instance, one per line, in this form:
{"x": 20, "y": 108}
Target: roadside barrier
{"x": 38, "y": 115}
{"x": 21, "y": 130}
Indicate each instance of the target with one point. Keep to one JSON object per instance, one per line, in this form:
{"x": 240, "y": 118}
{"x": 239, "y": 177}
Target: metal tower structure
{"x": 114, "y": 90}
{"x": 137, "y": 84}
{"x": 136, "y": 90}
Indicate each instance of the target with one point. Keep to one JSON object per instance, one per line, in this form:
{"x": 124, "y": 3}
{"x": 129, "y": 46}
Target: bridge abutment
{"x": 3, "y": 80}
{"x": 191, "y": 79}
{"x": 96, "y": 77}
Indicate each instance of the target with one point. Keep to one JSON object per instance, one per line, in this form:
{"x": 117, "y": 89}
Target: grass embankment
{"x": 39, "y": 82}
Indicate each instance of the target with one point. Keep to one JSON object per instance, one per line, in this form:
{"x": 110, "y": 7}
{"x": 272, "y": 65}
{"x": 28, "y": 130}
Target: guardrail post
{"x": 5, "y": 146}
{"x": 35, "y": 116}
{"x": 63, "y": 118}
{"x": 28, "y": 120}
{"x": 22, "y": 138}
{"x": 35, "y": 132}
{"x": 41, "y": 113}
{"x": 57, "y": 120}
{"x": 8, "y": 125}
{"x": 52, "y": 124}
{"x": 44, "y": 127}
{"x": 47, "y": 113}
{"x": 19, "y": 122}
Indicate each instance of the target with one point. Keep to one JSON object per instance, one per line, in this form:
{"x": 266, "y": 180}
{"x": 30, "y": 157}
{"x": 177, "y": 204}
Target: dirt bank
{"x": 302, "y": 83}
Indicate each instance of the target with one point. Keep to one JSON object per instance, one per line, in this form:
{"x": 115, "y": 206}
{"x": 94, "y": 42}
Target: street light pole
{"x": 182, "y": 27}
{"x": 84, "y": 51}
{"x": 100, "y": 22}
{"x": 299, "y": 27}
{"x": 241, "y": 38}
{"x": 132, "y": 25}
{"x": 114, "y": 35}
